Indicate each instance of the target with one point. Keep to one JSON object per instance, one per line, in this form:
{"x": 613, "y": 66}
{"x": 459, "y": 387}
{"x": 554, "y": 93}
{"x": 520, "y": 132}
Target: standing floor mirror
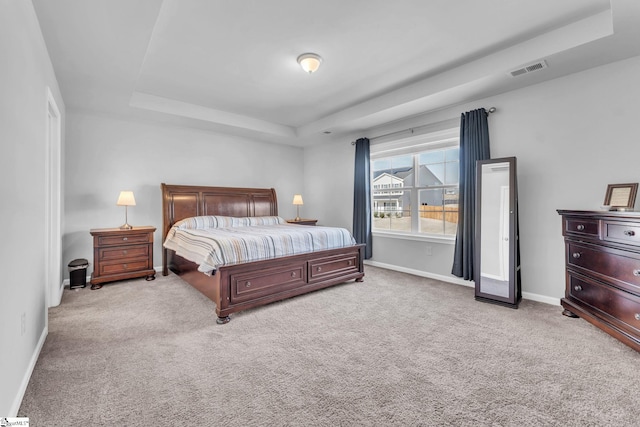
{"x": 497, "y": 249}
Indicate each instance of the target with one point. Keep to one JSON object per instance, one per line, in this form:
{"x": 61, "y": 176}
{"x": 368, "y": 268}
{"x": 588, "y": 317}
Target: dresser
{"x": 122, "y": 254}
{"x": 602, "y": 255}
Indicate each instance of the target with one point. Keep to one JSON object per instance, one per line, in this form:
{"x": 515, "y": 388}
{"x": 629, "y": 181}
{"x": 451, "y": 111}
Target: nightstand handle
{"x": 125, "y": 265}
{"x": 636, "y": 273}
{"x": 125, "y": 238}
{"x": 637, "y": 316}
{"x": 629, "y": 233}
{"x": 293, "y": 274}
{"x": 580, "y": 227}
{"x": 577, "y": 287}
{"x": 576, "y": 255}
{"x": 247, "y": 285}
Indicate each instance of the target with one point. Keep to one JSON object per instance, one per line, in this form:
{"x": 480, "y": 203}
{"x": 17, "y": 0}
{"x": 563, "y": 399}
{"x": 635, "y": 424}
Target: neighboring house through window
{"x": 415, "y": 184}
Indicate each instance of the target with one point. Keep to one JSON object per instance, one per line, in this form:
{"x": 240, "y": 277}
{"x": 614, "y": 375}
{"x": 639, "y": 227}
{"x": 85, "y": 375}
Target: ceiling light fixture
{"x": 310, "y": 62}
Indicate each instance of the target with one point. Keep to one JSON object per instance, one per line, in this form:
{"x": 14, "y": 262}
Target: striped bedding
{"x": 214, "y": 241}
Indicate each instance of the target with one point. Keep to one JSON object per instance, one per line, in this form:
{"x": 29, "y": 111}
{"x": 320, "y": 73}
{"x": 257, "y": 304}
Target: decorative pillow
{"x": 212, "y": 221}
{"x": 266, "y": 220}
{"x": 216, "y": 221}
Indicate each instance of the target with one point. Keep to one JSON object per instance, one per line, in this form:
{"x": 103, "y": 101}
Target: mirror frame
{"x": 515, "y": 291}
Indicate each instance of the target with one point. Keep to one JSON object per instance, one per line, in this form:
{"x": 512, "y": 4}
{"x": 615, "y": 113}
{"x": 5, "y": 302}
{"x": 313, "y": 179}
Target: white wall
{"x": 572, "y": 136}
{"x": 106, "y": 155}
{"x": 25, "y": 74}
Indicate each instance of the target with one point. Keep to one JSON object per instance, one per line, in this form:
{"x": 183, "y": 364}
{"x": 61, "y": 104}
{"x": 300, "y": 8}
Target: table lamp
{"x": 126, "y": 199}
{"x": 297, "y": 201}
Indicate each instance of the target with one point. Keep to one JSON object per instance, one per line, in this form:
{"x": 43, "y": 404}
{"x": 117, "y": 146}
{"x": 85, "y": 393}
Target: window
{"x": 415, "y": 186}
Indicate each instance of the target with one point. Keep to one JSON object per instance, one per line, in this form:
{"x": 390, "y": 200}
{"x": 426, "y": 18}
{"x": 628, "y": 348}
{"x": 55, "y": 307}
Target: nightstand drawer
{"x": 123, "y": 240}
{"x": 124, "y": 252}
{"x": 124, "y": 267}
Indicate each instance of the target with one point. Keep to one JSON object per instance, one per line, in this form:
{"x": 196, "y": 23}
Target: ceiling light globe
{"x": 310, "y": 62}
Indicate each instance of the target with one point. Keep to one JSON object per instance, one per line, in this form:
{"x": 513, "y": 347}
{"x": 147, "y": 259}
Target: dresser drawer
{"x": 322, "y": 268}
{"x": 124, "y": 267}
{"x": 619, "y": 304}
{"x": 609, "y": 263}
{"x": 123, "y": 252}
{"x": 623, "y": 232}
{"x": 248, "y": 286}
{"x": 581, "y": 227}
{"x": 129, "y": 239}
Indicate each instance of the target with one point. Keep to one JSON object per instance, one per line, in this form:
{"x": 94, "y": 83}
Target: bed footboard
{"x": 243, "y": 286}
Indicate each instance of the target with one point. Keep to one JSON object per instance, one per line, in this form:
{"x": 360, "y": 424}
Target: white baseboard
{"x": 469, "y": 283}
{"x": 450, "y": 279}
{"x": 15, "y": 407}
{"x": 541, "y": 298}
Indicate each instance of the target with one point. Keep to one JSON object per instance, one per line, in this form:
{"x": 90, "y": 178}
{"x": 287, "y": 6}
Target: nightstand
{"x": 302, "y": 221}
{"x": 122, "y": 254}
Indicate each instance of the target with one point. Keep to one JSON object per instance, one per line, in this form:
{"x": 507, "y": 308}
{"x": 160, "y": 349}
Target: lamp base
{"x": 297, "y": 218}
{"x": 126, "y": 226}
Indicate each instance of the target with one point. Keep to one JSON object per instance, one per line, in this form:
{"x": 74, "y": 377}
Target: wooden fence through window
{"x": 450, "y": 213}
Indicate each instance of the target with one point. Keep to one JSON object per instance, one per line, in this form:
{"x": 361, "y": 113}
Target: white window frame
{"x": 447, "y": 138}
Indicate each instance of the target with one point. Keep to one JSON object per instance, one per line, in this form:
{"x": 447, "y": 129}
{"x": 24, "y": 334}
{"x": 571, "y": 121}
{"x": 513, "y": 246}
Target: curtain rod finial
{"x": 491, "y": 110}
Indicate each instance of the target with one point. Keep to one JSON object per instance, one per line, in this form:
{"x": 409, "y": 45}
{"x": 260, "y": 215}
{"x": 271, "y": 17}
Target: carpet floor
{"x": 395, "y": 350}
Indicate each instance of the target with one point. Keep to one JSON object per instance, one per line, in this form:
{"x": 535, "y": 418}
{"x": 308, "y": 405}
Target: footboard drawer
{"x": 337, "y": 265}
{"x": 259, "y": 283}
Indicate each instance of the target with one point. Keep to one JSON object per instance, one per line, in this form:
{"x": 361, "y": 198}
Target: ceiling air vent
{"x": 529, "y": 68}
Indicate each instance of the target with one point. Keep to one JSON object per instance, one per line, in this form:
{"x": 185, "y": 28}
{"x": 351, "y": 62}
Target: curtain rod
{"x": 489, "y": 111}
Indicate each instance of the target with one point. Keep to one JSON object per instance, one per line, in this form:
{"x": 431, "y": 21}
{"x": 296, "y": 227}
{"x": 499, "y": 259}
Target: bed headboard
{"x": 184, "y": 201}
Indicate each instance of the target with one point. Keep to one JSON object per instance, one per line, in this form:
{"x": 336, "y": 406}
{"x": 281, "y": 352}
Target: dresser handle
{"x": 580, "y": 227}
{"x": 125, "y": 238}
{"x": 293, "y": 274}
{"x": 629, "y": 233}
{"x": 350, "y": 262}
{"x": 576, "y": 255}
{"x": 577, "y": 287}
{"x": 637, "y": 316}
{"x": 125, "y": 265}
{"x": 319, "y": 269}
{"x": 247, "y": 285}
{"x": 636, "y": 272}
{"x": 124, "y": 252}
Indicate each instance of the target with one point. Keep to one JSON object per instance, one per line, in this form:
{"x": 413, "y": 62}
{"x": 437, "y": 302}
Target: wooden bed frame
{"x": 247, "y": 285}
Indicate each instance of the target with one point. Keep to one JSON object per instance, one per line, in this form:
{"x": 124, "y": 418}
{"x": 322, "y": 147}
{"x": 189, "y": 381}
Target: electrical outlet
{"x": 23, "y": 324}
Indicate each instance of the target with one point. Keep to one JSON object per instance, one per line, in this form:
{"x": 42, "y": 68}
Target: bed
{"x": 245, "y": 285}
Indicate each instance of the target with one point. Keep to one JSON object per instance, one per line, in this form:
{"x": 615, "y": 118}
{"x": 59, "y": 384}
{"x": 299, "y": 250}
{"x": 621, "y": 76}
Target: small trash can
{"x": 78, "y": 273}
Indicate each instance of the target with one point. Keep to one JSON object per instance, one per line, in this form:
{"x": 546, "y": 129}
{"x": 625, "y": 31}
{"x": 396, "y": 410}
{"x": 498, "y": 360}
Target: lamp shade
{"x": 126, "y": 199}
{"x": 310, "y": 62}
{"x": 297, "y": 199}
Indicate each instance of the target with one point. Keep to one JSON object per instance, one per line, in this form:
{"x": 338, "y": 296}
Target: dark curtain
{"x": 474, "y": 145}
{"x": 362, "y": 197}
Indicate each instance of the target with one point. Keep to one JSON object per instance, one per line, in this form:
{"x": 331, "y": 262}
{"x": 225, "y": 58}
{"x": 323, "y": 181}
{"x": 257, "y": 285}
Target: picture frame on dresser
{"x": 621, "y": 196}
